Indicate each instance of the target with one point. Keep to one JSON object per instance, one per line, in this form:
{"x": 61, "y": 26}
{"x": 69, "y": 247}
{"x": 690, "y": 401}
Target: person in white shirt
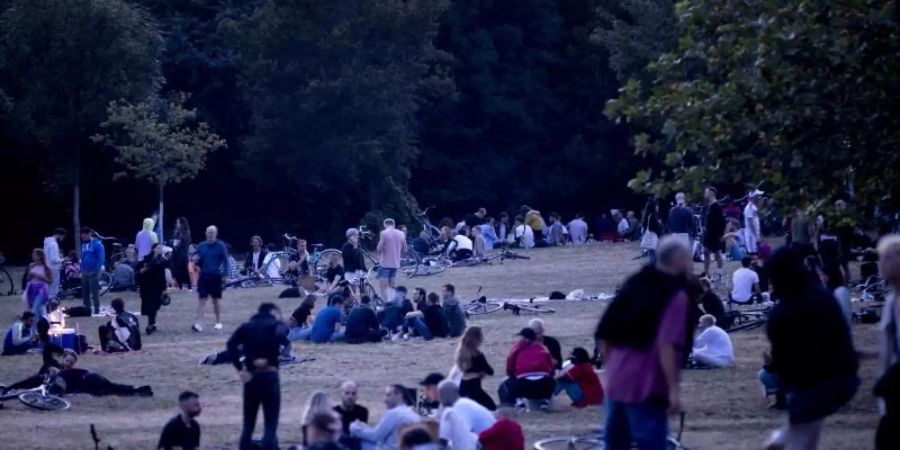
{"x": 622, "y": 225}
{"x": 54, "y": 259}
{"x": 744, "y": 282}
{"x": 712, "y": 347}
{"x": 751, "y": 222}
{"x": 522, "y": 234}
{"x": 578, "y": 230}
{"x": 397, "y": 415}
{"x": 461, "y": 419}
{"x": 460, "y": 246}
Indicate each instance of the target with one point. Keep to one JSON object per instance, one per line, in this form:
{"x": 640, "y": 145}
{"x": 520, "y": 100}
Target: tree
{"x": 61, "y": 63}
{"x": 801, "y": 95}
{"x": 333, "y": 88}
{"x": 158, "y": 141}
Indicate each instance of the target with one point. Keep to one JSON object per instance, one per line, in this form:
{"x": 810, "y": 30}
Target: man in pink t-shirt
{"x": 643, "y": 334}
{"x": 391, "y": 245}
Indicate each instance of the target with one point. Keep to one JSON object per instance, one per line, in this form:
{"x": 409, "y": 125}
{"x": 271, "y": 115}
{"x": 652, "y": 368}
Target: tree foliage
{"x": 802, "y": 95}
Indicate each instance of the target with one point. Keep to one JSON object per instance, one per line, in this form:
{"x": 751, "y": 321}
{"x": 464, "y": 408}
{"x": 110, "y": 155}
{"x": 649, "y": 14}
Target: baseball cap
{"x": 432, "y": 378}
{"x": 527, "y": 333}
{"x": 756, "y": 193}
{"x": 352, "y": 232}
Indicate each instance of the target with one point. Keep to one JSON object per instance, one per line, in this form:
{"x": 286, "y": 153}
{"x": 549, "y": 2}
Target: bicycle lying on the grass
{"x": 596, "y": 442}
{"x": 483, "y": 305}
{"x": 746, "y": 319}
{"x": 39, "y": 397}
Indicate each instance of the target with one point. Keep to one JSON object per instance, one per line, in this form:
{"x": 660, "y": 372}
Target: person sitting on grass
{"x": 299, "y": 321}
{"x": 456, "y": 318}
{"x": 461, "y": 419}
{"x": 327, "y": 326}
{"x": 522, "y": 235}
{"x": 397, "y": 415}
{"x": 460, "y": 247}
{"x": 182, "y": 431}
{"x": 745, "y": 283}
{"x": 323, "y": 432}
{"x": 580, "y": 381}
{"x": 479, "y": 245}
{"x": 123, "y": 277}
{"x": 318, "y": 403}
{"x": 435, "y": 319}
{"x": 350, "y": 411}
{"x": 362, "y": 324}
{"x": 529, "y": 371}
{"x": 71, "y": 380}
{"x": 19, "y": 338}
{"x": 391, "y": 317}
{"x": 712, "y": 347}
{"x": 709, "y": 301}
{"x": 123, "y": 333}
{"x": 504, "y": 434}
{"x": 550, "y": 342}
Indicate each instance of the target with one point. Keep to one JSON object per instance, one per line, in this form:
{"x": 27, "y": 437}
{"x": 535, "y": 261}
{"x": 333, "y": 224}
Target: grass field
{"x": 725, "y": 407}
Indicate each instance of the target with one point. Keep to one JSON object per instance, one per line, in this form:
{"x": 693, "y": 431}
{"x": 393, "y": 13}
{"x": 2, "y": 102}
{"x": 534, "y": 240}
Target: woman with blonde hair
{"x": 318, "y": 403}
{"x": 37, "y": 291}
{"x": 473, "y": 366}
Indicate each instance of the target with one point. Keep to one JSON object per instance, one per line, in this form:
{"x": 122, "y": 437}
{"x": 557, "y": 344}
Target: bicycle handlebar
{"x": 102, "y": 237}
{"x": 289, "y": 237}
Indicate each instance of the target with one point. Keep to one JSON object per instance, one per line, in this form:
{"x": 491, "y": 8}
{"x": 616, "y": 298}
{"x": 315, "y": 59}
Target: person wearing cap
{"x": 397, "y": 415}
{"x": 681, "y": 220}
{"x": 751, "y": 222}
{"x": 354, "y": 260}
{"x": 327, "y": 325}
{"x": 18, "y": 339}
{"x": 54, "y": 259}
{"x": 580, "y": 381}
{"x": 431, "y": 400}
{"x": 529, "y": 371}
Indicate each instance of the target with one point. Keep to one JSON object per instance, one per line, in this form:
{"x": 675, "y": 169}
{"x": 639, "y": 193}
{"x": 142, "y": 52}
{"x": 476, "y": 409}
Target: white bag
{"x": 649, "y": 240}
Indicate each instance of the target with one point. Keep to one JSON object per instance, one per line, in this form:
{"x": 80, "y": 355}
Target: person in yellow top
{"x": 535, "y": 221}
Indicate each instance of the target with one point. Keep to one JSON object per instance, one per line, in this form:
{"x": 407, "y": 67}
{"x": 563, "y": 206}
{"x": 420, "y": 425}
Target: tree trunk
{"x": 161, "y": 222}
{"x": 76, "y": 203}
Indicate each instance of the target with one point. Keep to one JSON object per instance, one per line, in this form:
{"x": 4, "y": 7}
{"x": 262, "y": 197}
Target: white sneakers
{"x": 218, "y": 326}
{"x": 197, "y": 327}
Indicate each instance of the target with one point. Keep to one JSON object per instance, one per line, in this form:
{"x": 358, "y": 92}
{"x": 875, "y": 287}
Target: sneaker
{"x": 395, "y": 337}
{"x": 196, "y": 328}
{"x": 545, "y": 406}
{"x": 406, "y": 337}
{"x": 218, "y": 326}
{"x": 208, "y": 359}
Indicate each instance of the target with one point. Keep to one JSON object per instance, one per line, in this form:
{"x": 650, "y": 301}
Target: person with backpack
{"x": 123, "y": 333}
{"x": 812, "y": 351}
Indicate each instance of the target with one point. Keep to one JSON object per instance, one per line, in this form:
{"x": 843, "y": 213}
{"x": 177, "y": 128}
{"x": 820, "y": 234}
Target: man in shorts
{"x": 212, "y": 259}
{"x": 714, "y": 230}
{"x": 391, "y": 245}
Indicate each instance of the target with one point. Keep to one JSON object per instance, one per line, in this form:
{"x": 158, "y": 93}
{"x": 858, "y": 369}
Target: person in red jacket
{"x": 505, "y": 434}
{"x": 529, "y": 369}
{"x": 580, "y": 381}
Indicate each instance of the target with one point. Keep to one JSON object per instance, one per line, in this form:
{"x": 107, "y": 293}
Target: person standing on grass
{"x": 181, "y": 241}
{"x": 812, "y": 352}
{"x": 391, "y": 245}
{"x": 751, "y": 222}
{"x": 681, "y": 220}
{"x": 39, "y": 278}
{"x": 212, "y": 257}
{"x": 354, "y": 261}
{"x": 92, "y": 257}
{"x": 713, "y": 233}
{"x": 888, "y": 386}
{"x": 54, "y": 259}
{"x": 153, "y": 285}
{"x": 474, "y": 367}
{"x": 642, "y": 337}
{"x": 182, "y": 431}
{"x": 257, "y": 363}
{"x": 145, "y": 239}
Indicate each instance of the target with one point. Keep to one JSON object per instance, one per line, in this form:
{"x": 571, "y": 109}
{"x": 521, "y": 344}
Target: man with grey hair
{"x": 391, "y": 246}
{"x": 212, "y": 259}
{"x": 551, "y": 343}
{"x": 461, "y": 419}
{"x": 681, "y": 220}
{"x": 642, "y": 335}
{"x": 712, "y": 347}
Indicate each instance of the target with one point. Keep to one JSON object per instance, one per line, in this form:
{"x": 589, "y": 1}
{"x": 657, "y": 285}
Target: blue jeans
{"x": 644, "y": 424}
{"x": 770, "y": 381}
{"x": 39, "y": 307}
{"x": 651, "y": 257}
{"x": 299, "y": 334}
{"x": 419, "y": 326}
{"x": 573, "y": 390}
{"x": 90, "y": 290}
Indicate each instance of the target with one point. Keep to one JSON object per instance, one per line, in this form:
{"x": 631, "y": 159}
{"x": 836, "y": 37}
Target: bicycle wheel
{"x": 748, "y": 325}
{"x": 6, "y": 283}
{"x": 569, "y": 443}
{"x": 479, "y": 308}
{"x": 105, "y": 282}
{"x": 322, "y": 263}
{"x": 43, "y": 402}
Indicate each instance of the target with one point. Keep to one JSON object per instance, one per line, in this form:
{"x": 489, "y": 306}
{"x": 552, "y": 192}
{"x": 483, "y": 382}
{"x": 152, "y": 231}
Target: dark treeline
{"x": 349, "y": 110}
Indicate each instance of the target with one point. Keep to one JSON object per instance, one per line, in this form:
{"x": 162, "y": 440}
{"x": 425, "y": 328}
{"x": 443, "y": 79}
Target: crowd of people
{"x": 662, "y": 320}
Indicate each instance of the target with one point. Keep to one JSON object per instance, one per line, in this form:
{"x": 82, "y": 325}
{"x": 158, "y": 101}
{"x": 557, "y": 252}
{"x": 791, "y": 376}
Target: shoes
{"x": 144, "y": 391}
{"x": 208, "y": 359}
{"x": 395, "y": 337}
{"x": 406, "y": 337}
{"x": 151, "y": 329}
{"x": 218, "y": 326}
{"x": 196, "y": 328}
{"x": 545, "y": 406}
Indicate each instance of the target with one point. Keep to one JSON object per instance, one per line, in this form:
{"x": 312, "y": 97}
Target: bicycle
{"x": 39, "y": 397}
{"x": 747, "y": 319}
{"x": 433, "y": 232}
{"x": 71, "y": 287}
{"x": 596, "y": 442}
{"x": 517, "y": 307}
{"x": 481, "y": 305}
{"x": 7, "y": 287}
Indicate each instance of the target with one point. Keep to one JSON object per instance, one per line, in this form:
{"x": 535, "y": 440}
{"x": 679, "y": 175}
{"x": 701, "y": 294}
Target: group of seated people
{"x": 426, "y": 315}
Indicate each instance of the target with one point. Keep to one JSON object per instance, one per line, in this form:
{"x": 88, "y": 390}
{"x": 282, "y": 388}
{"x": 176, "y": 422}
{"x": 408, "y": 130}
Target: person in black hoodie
{"x": 434, "y": 316}
{"x": 153, "y": 285}
{"x": 261, "y": 339}
{"x": 812, "y": 351}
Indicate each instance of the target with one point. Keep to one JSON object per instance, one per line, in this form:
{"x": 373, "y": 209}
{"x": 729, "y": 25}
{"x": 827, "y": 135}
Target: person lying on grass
{"x": 67, "y": 379}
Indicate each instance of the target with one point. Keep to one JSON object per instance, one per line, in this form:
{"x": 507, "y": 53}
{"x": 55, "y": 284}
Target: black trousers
{"x": 513, "y": 389}
{"x": 264, "y": 389}
{"x": 472, "y": 390}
